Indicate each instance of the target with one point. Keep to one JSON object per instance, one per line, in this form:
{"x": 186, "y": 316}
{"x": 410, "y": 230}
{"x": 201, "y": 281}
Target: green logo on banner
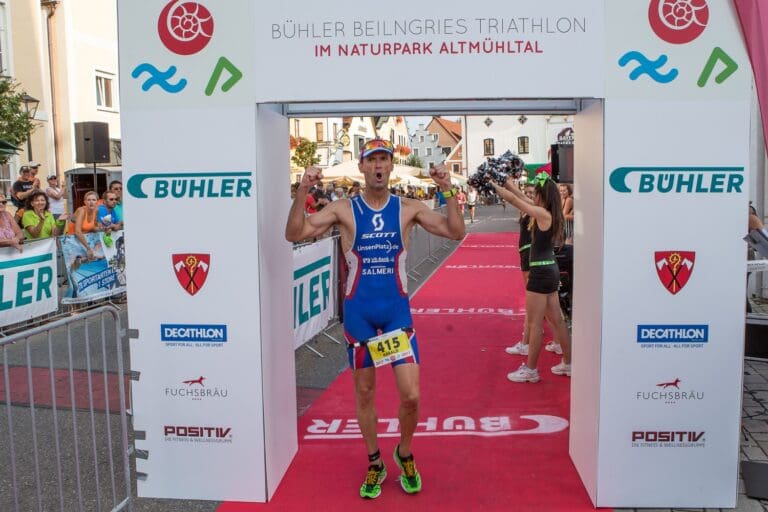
{"x": 311, "y": 296}
{"x": 191, "y": 185}
{"x": 718, "y": 55}
{"x": 678, "y": 180}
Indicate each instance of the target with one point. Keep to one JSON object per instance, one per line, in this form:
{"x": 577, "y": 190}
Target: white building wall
{"x": 504, "y": 130}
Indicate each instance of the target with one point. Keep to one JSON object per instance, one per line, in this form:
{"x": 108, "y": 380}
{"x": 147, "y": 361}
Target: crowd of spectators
{"x": 40, "y": 210}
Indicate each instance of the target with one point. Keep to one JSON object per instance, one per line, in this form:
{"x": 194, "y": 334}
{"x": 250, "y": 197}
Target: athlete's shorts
{"x": 544, "y": 279}
{"x": 364, "y": 319}
{"x": 525, "y": 260}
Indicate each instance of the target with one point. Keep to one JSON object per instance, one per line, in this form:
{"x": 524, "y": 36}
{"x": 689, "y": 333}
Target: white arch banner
{"x": 661, "y": 150}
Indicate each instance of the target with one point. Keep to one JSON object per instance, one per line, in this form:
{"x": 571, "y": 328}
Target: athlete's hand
{"x": 441, "y": 176}
{"x": 312, "y": 176}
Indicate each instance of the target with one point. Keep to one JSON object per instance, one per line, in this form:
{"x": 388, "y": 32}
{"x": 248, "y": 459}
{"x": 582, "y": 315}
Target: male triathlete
{"x": 377, "y": 320}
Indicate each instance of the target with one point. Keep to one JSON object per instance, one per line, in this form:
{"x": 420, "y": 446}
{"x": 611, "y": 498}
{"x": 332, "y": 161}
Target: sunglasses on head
{"x": 378, "y": 144}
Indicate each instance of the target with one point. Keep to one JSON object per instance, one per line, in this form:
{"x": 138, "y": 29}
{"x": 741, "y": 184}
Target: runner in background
{"x": 472, "y": 203}
{"x": 375, "y": 228}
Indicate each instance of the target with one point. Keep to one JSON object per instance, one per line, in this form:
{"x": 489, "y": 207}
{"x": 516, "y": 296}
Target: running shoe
{"x": 562, "y": 369}
{"x": 371, "y": 488}
{"x": 524, "y": 374}
{"x": 410, "y": 480}
{"x": 517, "y": 349}
{"x": 555, "y": 347}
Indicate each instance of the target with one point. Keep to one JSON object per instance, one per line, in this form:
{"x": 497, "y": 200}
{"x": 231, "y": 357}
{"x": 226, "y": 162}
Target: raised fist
{"x": 312, "y": 176}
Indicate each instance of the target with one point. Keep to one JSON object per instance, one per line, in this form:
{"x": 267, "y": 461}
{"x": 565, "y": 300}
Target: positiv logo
{"x": 678, "y": 180}
{"x": 668, "y": 438}
{"x": 185, "y": 27}
{"x": 197, "y": 434}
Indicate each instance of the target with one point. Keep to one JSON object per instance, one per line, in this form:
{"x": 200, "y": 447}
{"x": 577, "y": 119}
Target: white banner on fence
{"x": 314, "y": 293}
{"x": 28, "y": 282}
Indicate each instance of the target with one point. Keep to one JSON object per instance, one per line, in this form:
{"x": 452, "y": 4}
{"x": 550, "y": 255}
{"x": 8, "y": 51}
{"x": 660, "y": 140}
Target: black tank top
{"x": 541, "y": 246}
{"x": 525, "y": 234}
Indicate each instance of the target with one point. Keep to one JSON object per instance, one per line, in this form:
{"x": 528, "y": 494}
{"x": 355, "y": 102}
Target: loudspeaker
{"x": 92, "y": 142}
{"x": 562, "y": 163}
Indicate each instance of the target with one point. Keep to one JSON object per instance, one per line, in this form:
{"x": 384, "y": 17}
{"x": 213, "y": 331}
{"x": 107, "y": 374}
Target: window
{"x": 429, "y": 151}
{"x": 415, "y": 151}
{"x": 456, "y": 168}
{"x": 3, "y": 42}
{"x": 5, "y": 177}
{"x": 522, "y": 145}
{"x": 421, "y": 138}
{"x": 335, "y": 130}
{"x": 434, "y": 137}
{"x": 104, "y": 90}
{"x": 296, "y": 128}
{"x": 446, "y": 151}
{"x": 488, "y": 147}
{"x": 319, "y": 132}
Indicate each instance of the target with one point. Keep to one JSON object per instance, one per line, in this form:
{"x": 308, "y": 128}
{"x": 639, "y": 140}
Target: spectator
{"x": 339, "y": 193}
{"x": 38, "y": 221}
{"x": 566, "y": 200}
{"x": 116, "y": 186}
{"x": 55, "y": 195}
{"x": 85, "y": 220}
{"x": 108, "y": 217}
{"x": 354, "y": 190}
{"x": 10, "y": 233}
{"x": 310, "y": 203}
{"x": 23, "y": 187}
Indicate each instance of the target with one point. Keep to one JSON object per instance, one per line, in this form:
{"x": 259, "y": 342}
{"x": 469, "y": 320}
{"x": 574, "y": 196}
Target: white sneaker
{"x": 518, "y": 349}
{"x": 524, "y": 374}
{"x": 562, "y": 369}
{"x": 555, "y": 347}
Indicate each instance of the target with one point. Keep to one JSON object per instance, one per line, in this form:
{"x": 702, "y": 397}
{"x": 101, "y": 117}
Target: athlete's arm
{"x": 299, "y": 226}
{"x": 514, "y": 195}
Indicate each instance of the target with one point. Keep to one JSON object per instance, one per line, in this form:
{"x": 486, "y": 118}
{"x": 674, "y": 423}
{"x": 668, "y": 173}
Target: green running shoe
{"x": 410, "y": 479}
{"x": 371, "y": 488}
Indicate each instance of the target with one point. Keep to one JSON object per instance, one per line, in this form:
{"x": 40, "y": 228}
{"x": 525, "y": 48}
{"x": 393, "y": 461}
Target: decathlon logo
{"x": 678, "y": 180}
{"x": 672, "y": 334}
{"x": 211, "y": 185}
{"x": 378, "y": 222}
{"x": 198, "y": 333}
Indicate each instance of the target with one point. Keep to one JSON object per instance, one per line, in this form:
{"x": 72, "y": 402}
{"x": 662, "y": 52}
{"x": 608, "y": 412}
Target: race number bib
{"x": 389, "y": 347}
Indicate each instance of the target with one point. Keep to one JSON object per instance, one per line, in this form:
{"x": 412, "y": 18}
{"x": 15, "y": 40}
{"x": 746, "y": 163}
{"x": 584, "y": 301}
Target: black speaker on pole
{"x": 562, "y": 163}
{"x": 92, "y": 142}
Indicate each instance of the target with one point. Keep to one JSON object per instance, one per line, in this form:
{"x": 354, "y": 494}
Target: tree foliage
{"x": 15, "y": 124}
{"x": 305, "y": 154}
{"x": 414, "y": 161}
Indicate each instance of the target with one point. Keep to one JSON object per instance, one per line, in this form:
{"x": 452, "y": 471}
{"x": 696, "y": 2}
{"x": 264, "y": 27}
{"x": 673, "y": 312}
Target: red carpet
{"x": 484, "y": 443}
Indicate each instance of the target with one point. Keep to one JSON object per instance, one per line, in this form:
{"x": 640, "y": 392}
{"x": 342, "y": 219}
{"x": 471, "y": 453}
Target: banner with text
{"x": 102, "y": 274}
{"x": 28, "y": 282}
{"x": 314, "y": 292}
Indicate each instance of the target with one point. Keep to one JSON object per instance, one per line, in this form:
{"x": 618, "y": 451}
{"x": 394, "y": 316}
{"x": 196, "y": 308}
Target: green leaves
{"x": 15, "y": 124}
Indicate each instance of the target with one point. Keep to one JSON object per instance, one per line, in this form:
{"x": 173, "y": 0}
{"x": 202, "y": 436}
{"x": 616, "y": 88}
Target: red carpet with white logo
{"x": 483, "y": 443}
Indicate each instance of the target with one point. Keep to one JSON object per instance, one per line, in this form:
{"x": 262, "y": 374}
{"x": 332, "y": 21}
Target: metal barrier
{"x": 64, "y": 437}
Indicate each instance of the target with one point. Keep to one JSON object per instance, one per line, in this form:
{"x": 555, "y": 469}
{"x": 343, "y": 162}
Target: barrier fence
{"x": 64, "y": 416}
{"x": 54, "y": 277}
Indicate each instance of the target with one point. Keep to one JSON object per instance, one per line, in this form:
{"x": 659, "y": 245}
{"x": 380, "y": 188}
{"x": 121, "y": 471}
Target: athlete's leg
{"x": 407, "y": 378}
{"x": 535, "y": 305}
{"x": 365, "y": 392}
{"x": 559, "y": 328}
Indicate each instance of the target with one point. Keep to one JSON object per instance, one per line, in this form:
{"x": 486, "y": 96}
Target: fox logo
{"x": 674, "y": 384}
{"x": 199, "y": 380}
